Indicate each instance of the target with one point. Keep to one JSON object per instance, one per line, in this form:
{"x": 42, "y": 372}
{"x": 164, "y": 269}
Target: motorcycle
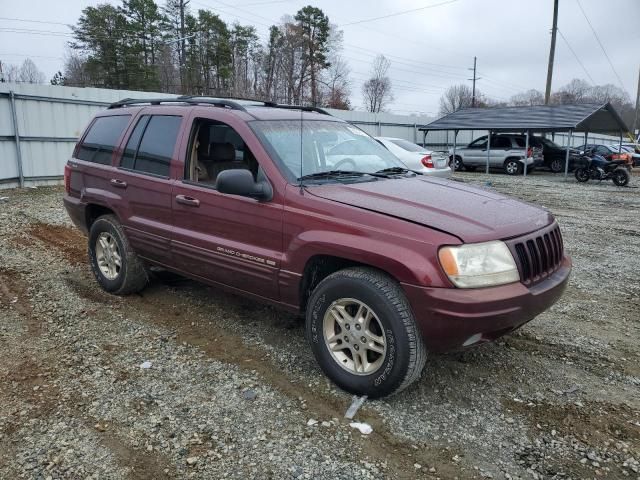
{"x": 595, "y": 167}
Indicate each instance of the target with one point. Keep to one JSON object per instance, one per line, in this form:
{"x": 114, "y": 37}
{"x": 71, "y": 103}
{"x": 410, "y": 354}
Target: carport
{"x": 580, "y": 118}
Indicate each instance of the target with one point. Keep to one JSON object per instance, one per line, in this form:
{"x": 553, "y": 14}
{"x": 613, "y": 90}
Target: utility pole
{"x": 636, "y": 118}
{"x": 552, "y": 52}
{"x": 473, "y": 95}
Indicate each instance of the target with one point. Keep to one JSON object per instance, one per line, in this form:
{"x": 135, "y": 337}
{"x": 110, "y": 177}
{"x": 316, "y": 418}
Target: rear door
{"x": 143, "y": 178}
{"x": 227, "y": 239}
{"x": 499, "y": 147}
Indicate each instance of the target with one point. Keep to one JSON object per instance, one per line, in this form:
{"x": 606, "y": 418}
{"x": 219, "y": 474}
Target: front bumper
{"x": 455, "y": 318}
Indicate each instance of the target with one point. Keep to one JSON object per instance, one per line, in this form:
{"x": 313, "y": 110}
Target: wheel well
{"x": 92, "y": 212}
{"x": 318, "y": 268}
{"x": 512, "y": 158}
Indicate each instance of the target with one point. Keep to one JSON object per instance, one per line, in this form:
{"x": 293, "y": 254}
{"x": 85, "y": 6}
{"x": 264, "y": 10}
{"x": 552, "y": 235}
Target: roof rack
{"x": 215, "y": 101}
{"x": 193, "y": 100}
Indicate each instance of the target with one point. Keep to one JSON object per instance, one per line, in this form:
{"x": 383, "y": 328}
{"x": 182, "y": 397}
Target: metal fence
{"x": 40, "y": 124}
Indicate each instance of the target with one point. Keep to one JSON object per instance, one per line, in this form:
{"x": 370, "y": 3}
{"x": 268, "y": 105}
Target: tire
{"x": 512, "y": 166}
{"x": 399, "y": 355}
{"x": 620, "y": 177}
{"x": 581, "y": 174}
{"x": 556, "y": 165}
{"x": 106, "y": 235}
{"x": 458, "y": 164}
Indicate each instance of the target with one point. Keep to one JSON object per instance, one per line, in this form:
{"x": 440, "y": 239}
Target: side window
{"x": 479, "y": 143}
{"x": 101, "y": 139}
{"x": 215, "y": 147}
{"x": 501, "y": 143}
{"x": 129, "y": 155}
{"x": 151, "y": 144}
{"x": 522, "y": 142}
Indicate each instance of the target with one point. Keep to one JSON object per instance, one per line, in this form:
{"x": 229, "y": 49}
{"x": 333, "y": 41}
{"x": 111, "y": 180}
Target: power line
{"x": 601, "y": 46}
{"x": 398, "y": 13}
{"x": 576, "y": 56}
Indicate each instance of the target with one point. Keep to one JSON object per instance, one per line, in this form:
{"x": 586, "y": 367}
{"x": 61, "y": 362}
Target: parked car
{"x": 416, "y": 157}
{"x": 507, "y": 153}
{"x": 385, "y": 265}
{"x": 631, "y": 149}
{"x": 609, "y": 152}
{"x": 554, "y": 155}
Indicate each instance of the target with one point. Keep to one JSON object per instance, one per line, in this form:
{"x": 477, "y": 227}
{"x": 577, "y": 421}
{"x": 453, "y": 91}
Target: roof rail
{"x": 215, "y": 101}
{"x": 192, "y": 100}
{"x": 297, "y": 107}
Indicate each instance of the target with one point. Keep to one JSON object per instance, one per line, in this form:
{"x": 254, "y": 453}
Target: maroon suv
{"x": 297, "y": 208}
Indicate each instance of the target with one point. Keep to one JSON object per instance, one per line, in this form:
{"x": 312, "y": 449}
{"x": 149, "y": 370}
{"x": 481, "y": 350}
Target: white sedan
{"x": 416, "y": 157}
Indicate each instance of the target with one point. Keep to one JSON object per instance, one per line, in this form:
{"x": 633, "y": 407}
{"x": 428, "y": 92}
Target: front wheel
{"x": 114, "y": 263}
{"x": 620, "y": 177}
{"x": 581, "y": 174}
{"x": 363, "y": 333}
{"x": 556, "y": 165}
{"x": 457, "y": 163}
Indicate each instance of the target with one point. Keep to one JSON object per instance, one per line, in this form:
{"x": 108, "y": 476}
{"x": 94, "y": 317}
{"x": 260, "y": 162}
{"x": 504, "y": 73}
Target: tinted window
{"x": 520, "y": 141}
{"x": 129, "y": 155}
{"x": 157, "y": 145}
{"x": 479, "y": 143}
{"x": 100, "y": 142}
{"x": 500, "y": 142}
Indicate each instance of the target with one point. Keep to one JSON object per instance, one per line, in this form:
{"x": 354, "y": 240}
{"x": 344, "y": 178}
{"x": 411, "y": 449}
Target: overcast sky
{"x": 429, "y": 49}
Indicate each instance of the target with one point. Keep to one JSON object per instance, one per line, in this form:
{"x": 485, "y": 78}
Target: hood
{"x": 472, "y": 214}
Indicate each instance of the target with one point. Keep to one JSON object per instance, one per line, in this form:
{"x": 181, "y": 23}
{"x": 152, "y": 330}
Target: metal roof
{"x": 585, "y": 117}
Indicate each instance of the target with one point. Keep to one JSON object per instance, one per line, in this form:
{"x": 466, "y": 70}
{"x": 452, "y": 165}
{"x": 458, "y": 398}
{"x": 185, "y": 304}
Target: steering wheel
{"x": 340, "y": 165}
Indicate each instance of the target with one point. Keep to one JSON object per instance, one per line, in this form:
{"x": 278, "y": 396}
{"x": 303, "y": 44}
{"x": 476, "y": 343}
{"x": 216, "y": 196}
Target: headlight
{"x": 479, "y": 264}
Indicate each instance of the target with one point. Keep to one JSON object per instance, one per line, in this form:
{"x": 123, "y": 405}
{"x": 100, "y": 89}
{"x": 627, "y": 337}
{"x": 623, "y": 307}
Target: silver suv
{"x": 507, "y": 153}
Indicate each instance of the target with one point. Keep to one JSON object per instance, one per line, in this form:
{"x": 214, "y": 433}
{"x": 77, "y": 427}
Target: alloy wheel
{"x": 108, "y": 256}
{"x": 355, "y": 337}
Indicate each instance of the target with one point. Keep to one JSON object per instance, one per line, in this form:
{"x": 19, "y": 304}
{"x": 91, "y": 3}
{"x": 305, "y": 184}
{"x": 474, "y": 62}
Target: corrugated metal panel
{"x": 582, "y": 117}
{"x": 48, "y": 118}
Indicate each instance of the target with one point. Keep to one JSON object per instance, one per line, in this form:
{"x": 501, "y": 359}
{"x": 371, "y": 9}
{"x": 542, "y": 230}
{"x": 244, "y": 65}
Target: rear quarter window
{"x": 102, "y": 138}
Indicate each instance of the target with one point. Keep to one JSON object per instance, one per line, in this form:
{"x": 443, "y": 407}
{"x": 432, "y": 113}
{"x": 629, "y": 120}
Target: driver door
{"x": 225, "y": 239}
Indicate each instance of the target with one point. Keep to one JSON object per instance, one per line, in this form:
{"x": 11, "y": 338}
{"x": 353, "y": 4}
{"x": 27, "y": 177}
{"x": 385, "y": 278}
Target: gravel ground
{"x": 233, "y": 391}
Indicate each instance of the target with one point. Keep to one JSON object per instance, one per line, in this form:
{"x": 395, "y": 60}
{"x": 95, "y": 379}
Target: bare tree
{"x": 457, "y": 97}
{"x": 576, "y": 91}
{"x": 528, "y": 98}
{"x": 376, "y": 91}
{"x": 29, "y": 73}
{"x": 9, "y": 73}
{"x": 335, "y": 93}
{"x": 75, "y": 70}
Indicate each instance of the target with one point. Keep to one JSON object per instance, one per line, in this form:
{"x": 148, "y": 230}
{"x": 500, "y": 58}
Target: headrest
{"x": 222, "y": 152}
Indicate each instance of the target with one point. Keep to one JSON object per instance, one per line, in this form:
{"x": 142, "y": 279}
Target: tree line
{"x": 141, "y": 45}
{"x": 576, "y": 91}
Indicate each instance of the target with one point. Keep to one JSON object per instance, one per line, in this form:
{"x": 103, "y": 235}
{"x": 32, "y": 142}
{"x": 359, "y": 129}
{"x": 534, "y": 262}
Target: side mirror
{"x": 241, "y": 182}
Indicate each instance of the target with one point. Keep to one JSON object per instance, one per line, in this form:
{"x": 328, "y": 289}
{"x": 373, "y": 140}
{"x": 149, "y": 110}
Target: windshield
{"x": 322, "y": 146}
{"x": 406, "y": 145}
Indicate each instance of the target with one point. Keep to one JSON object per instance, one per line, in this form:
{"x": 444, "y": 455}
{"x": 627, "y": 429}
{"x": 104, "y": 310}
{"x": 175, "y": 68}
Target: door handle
{"x": 192, "y": 202}
{"x": 118, "y": 183}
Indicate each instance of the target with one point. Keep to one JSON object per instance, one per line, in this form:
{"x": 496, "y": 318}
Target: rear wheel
{"x": 114, "y": 263}
{"x": 512, "y": 166}
{"x": 620, "y": 177}
{"x": 363, "y": 333}
{"x": 581, "y": 174}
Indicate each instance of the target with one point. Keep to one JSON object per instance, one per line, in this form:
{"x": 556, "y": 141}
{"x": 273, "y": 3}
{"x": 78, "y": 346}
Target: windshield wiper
{"x": 337, "y": 173}
{"x": 395, "y": 170}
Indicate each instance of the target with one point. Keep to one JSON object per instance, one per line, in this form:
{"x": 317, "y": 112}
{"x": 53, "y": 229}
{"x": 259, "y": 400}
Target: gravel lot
{"x": 232, "y": 386}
